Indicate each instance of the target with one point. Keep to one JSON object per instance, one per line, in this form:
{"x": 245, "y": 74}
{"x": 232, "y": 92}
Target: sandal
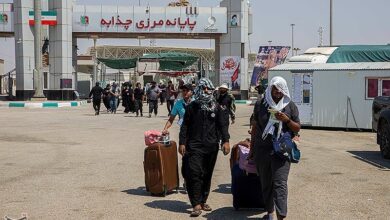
{"x": 196, "y": 213}
{"x": 206, "y": 208}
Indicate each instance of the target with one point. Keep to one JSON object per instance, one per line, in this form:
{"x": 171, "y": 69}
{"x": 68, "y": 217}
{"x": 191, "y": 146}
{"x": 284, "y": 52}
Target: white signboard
{"x": 137, "y": 19}
{"x": 6, "y": 18}
{"x": 230, "y": 72}
{"x": 302, "y": 96}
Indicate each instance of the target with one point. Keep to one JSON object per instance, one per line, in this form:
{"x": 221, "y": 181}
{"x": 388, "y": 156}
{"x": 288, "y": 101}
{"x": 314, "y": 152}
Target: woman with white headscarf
{"x": 205, "y": 123}
{"x": 273, "y": 115}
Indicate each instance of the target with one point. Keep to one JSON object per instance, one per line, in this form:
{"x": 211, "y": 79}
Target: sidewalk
{"x": 46, "y": 104}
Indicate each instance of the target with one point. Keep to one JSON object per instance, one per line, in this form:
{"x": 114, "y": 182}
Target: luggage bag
{"x": 161, "y": 168}
{"x": 246, "y": 189}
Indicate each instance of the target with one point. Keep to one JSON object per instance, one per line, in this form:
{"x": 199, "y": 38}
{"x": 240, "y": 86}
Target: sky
{"x": 355, "y": 22}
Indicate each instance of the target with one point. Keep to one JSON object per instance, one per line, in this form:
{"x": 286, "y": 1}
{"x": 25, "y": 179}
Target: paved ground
{"x": 69, "y": 164}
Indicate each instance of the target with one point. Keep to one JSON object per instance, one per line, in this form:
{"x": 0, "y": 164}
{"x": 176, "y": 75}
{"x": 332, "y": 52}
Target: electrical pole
{"x": 292, "y": 39}
{"x": 331, "y": 23}
{"x": 37, "y": 72}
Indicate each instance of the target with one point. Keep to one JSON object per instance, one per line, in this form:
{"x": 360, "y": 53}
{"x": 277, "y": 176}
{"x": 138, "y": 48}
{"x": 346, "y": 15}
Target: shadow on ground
{"x": 373, "y": 158}
{"x": 224, "y": 189}
{"x": 231, "y": 213}
{"x": 170, "y": 205}
{"x": 140, "y": 191}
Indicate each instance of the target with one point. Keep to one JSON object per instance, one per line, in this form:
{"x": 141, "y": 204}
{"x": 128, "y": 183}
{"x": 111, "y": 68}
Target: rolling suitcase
{"x": 246, "y": 189}
{"x": 161, "y": 168}
{"x": 246, "y": 185}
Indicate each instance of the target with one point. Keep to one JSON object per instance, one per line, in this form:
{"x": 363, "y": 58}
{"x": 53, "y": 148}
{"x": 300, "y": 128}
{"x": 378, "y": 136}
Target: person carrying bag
{"x": 275, "y": 123}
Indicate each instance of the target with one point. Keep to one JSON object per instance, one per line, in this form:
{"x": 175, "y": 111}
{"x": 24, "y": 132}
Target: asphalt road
{"x": 70, "y": 164}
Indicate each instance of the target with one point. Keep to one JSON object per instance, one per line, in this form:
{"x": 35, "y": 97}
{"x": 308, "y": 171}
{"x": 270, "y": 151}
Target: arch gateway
{"x": 64, "y": 22}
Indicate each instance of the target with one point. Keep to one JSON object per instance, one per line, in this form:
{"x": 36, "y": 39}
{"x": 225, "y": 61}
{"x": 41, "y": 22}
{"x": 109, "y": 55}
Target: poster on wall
{"x": 234, "y": 22}
{"x": 230, "y": 72}
{"x": 302, "y": 96}
{"x": 268, "y": 57}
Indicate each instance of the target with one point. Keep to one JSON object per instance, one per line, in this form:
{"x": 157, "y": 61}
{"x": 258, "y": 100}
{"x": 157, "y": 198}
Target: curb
{"x": 247, "y": 102}
{"x": 42, "y": 104}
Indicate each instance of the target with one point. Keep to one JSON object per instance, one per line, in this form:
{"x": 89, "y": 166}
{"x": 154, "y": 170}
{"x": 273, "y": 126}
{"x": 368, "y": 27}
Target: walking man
{"x": 226, "y": 100}
{"x": 203, "y": 125}
{"x": 153, "y": 95}
{"x": 139, "y": 97}
{"x": 96, "y": 93}
{"x": 106, "y": 97}
{"x": 179, "y": 108}
{"x": 171, "y": 96}
{"x": 114, "y": 96}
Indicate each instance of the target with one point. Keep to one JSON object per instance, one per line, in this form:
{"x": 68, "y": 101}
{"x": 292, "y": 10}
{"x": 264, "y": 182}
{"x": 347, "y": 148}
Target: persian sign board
{"x": 138, "y": 19}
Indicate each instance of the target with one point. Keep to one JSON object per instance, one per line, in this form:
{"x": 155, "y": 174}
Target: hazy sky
{"x": 355, "y": 22}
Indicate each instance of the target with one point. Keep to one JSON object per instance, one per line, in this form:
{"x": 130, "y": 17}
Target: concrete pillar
{"x": 236, "y": 41}
{"x": 217, "y": 61}
{"x": 24, "y": 49}
{"x": 62, "y": 77}
{"x": 74, "y": 61}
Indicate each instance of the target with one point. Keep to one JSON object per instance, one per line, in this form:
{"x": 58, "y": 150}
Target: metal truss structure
{"x": 124, "y": 52}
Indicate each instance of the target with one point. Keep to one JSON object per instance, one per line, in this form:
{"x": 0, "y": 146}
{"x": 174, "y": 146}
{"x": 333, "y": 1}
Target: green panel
{"x": 50, "y": 105}
{"x": 172, "y": 60}
{"x": 240, "y": 101}
{"x": 119, "y": 63}
{"x": 360, "y": 53}
{"x": 44, "y": 13}
{"x": 73, "y": 104}
{"x": 16, "y": 104}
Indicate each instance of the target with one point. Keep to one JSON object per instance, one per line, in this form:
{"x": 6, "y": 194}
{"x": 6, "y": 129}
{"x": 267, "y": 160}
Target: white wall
{"x": 330, "y": 92}
{"x": 61, "y": 62}
{"x": 24, "y": 45}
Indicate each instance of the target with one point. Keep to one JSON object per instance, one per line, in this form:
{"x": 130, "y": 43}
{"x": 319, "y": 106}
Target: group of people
{"x": 204, "y": 114}
{"x": 132, "y": 99}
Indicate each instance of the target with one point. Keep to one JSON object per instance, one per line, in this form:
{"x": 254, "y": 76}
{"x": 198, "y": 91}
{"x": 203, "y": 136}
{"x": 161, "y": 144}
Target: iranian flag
{"x": 48, "y": 18}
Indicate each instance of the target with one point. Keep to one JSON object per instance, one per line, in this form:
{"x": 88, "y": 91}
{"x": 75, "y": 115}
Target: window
{"x": 377, "y": 87}
{"x": 242, "y": 50}
{"x": 45, "y": 80}
{"x": 66, "y": 83}
{"x": 386, "y": 87}
{"x": 372, "y": 88}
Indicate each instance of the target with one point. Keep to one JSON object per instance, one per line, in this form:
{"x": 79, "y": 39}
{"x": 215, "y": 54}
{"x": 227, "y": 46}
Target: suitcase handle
{"x": 164, "y": 139}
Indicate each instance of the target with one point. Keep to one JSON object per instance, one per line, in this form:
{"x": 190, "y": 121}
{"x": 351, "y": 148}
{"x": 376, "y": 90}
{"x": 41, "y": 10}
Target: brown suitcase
{"x": 161, "y": 168}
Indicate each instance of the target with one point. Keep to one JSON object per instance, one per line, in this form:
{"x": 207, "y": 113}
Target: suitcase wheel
{"x": 165, "y": 191}
{"x": 235, "y": 206}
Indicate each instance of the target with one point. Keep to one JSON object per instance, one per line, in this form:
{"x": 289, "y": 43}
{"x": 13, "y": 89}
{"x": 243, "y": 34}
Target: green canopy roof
{"x": 119, "y": 63}
{"x": 360, "y": 53}
{"x": 172, "y": 60}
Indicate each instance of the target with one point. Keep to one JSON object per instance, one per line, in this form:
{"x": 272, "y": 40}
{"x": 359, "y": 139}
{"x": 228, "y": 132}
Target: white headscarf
{"x": 281, "y": 85}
